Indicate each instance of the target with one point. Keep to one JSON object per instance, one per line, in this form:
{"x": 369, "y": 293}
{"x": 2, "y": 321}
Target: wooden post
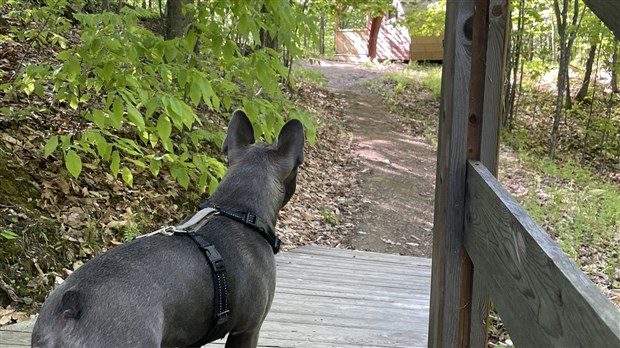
{"x": 445, "y": 306}
{"x": 490, "y": 39}
{"x": 474, "y": 55}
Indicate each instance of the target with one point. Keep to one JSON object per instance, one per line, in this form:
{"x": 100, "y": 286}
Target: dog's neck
{"x": 250, "y": 194}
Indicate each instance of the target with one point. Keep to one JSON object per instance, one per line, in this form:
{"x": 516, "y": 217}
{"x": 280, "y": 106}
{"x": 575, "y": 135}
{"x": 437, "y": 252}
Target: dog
{"x": 158, "y": 291}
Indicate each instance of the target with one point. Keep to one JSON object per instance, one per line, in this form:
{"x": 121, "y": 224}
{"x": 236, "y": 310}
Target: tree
{"x": 566, "y": 38}
{"x": 375, "y": 27}
{"x": 176, "y": 21}
{"x": 585, "y": 85}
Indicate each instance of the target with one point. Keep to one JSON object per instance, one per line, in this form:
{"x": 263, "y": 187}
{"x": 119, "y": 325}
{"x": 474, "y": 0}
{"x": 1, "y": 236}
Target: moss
{"x": 16, "y": 185}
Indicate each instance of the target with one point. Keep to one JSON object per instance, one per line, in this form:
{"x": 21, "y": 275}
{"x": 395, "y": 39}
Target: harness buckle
{"x": 215, "y": 259}
{"x": 249, "y": 219}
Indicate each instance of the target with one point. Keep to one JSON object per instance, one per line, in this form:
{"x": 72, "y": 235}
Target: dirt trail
{"x": 399, "y": 170}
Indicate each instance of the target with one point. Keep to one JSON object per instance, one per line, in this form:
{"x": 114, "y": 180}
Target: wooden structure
{"x": 485, "y": 245}
{"x": 332, "y": 298}
{"x": 393, "y": 41}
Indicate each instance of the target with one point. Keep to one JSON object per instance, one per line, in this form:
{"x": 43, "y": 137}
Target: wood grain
{"x": 491, "y": 108}
{"x": 450, "y": 179}
{"x": 542, "y": 297}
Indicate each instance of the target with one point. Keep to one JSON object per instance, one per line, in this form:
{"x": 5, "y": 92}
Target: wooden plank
{"x": 494, "y": 61}
{"x": 358, "y": 255}
{"x": 450, "y": 178}
{"x": 608, "y": 11}
{"x": 542, "y": 296}
{"x": 327, "y": 264}
{"x": 497, "y": 45}
{"x": 476, "y": 118}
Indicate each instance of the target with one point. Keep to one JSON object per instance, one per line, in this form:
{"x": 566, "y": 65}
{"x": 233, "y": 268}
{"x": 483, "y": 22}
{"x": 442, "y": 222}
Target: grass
{"x": 310, "y": 76}
{"x": 580, "y": 210}
{"x": 413, "y": 96}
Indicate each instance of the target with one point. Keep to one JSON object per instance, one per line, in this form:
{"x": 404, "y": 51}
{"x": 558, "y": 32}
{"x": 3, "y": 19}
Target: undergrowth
{"x": 412, "y": 95}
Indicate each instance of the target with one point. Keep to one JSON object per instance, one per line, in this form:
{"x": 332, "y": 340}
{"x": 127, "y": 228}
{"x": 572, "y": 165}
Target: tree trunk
{"x": 585, "y": 85}
{"x": 176, "y": 21}
{"x": 561, "y": 16}
{"x": 268, "y": 40}
{"x": 322, "y": 35}
{"x": 518, "y": 46}
{"x": 566, "y": 40}
{"x": 610, "y": 104}
{"x": 375, "y": 26}
{"x": 105, "y": 5}
{"x": 569, "y": 101}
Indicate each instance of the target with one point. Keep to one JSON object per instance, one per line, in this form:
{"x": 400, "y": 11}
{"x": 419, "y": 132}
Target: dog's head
{"x": 280, "y": 161}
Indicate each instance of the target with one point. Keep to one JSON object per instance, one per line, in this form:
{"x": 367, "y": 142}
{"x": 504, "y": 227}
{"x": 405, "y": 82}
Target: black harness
{"x": 191, "y": 226}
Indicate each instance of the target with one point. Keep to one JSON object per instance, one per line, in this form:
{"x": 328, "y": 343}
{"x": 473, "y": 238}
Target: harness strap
{"x": 220, "y": 293}
{"x": 252, "y": 221}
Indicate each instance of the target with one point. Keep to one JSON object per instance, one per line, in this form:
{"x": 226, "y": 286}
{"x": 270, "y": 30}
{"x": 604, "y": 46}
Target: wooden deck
{"x": 333, "y": 298}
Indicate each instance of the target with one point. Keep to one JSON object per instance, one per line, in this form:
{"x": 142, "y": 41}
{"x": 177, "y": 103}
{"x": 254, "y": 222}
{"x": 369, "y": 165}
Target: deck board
{"x": 333, "y": 298}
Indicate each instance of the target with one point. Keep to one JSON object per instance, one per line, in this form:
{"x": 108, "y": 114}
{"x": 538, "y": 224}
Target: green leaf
{"x": 195, "y": 93}
{"x": 212, "y": 184}
{"x": 190, "y": 40}
{"x": 103, "y": 148}
{"x": 138, "y": 163}
{"x": 98, "y": 117}
{"x": 135, "y": 116}
{"x": 63, "y": 55}
{"x": 117, "y": 113}
{"x": 206, "y": 90}
{"x": 127, "y": 176}
{"x": 229, "y": 50}
{"x": 164, "y": 127}
{"x": 72, "y": 68}
{"x": 155, "y": 166}
{"x": 50, "y": 146}
{"x": 181, "y": 175}
{"x": 170, "y": 53}
{"x": 73, "y": 162}
{"x": 108, "y": 70}
{"x": 8, "y": 235}
{"x": 151, "y": 106}
{"x": 116, "y": 163}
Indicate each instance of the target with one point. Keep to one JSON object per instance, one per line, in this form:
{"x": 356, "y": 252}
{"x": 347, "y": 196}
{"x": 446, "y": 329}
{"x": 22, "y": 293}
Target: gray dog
{"x": 165, "y": 290}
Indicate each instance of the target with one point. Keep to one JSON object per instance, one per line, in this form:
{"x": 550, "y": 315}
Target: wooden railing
{"x": 543, "y": 298}
{"x": 485, "y": 245}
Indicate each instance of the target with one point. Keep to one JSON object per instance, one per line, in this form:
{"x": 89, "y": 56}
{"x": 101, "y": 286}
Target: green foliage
{"x": 149, "y": 102}
{"x": 311, "y": 76}
{"x": 419, "y": 113}
{"x": 424, "y": 18}
{"x": 331, "y": 217}
{"x": 579, "y": 210}
{"x": 8, "y": 235}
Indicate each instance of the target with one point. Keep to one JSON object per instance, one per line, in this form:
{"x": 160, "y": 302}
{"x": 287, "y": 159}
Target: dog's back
{"x": 158, "y": 290}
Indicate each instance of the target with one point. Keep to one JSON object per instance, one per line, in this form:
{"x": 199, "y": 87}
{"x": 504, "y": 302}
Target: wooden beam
{"x": 489, "y": 108}
{"x": 497, "y": 47}
{"x": 608, "y": 11}
{"x": 542, "y": 296}
{"x": 450, "y": 186}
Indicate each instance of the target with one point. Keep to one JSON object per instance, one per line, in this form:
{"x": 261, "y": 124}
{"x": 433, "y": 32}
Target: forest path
{"x": 398, "y": 173}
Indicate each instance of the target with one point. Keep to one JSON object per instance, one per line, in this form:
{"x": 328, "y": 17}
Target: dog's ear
{"x": 291, "y": 142}
{"x": 240, "y": 132}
